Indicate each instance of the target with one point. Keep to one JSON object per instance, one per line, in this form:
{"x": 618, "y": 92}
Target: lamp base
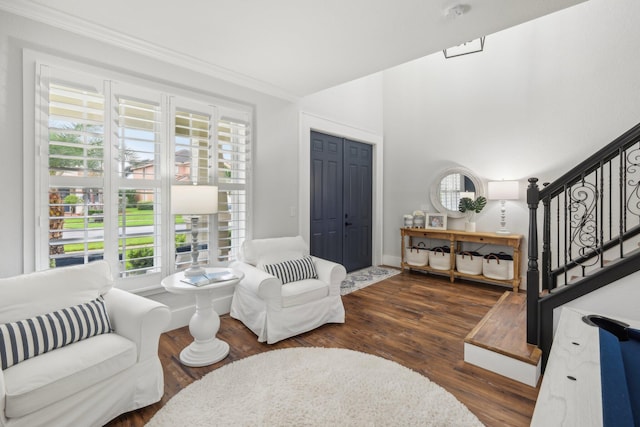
{"x": 194, "y": 271}
{"x": 503, "y": 219}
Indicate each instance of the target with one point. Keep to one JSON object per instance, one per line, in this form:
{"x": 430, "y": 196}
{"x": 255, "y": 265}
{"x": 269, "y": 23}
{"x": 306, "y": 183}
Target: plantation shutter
{"x": 193, "y": 155}
{"x": 138, "y": 125}
{"x": 233, "y": 161}
{"x": 73, "y": 151}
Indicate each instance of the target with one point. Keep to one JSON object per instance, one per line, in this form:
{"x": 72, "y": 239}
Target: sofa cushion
{"x": 304, "y": 291}
{"x": 24, "y": 339}
{"x": 253, "y": 251}
{"x": 56, "y": 375}
{"x": 293, "y": 270}
{"x": 32, "y": 294}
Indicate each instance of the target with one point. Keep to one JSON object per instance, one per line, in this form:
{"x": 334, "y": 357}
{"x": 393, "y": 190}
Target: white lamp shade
{"x": 503, "y": 190}
{"x": 194, "y": 199}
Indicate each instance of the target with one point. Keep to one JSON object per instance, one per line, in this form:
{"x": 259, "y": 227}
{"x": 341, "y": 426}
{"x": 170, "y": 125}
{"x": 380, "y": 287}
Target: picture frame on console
{"x": 436, "y": 221}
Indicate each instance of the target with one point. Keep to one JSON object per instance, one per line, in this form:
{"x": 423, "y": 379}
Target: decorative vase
{"x": 418, "y": 219}
{"x": 470, "y": 226}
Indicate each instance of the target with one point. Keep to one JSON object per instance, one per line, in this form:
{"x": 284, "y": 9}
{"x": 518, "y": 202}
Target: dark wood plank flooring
{"x": 417, "y": 320}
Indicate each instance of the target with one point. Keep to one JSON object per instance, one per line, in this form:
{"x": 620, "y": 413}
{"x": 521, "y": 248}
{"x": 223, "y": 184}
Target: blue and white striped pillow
{"x": 293, "y": 270}
{"x": 28, "y": 338}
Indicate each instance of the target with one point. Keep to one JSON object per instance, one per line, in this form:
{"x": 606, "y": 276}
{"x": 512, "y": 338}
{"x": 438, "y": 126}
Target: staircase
{"x": 590, "y": 232}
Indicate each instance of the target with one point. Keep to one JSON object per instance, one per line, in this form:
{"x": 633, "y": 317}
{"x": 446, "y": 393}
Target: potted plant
{"x": 471, "y": 207}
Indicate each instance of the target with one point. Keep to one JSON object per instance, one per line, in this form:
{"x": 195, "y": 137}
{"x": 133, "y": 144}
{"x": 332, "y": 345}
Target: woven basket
{"x": 498, "y": 266}
{"x": 469, "y": 263}
{"x": 417, "y": 255}
{"x": 440, "y": 258}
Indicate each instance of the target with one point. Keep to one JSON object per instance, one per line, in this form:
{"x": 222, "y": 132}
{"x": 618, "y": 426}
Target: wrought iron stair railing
{"x": 590, "y": 232}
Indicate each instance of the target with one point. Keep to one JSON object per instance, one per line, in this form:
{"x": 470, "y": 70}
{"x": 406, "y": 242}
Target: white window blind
{"x": 193, "y": 164}
{"x": 138, "y": 126}
{"x": 233, "y": 158}
{"x": 75, "y": 171}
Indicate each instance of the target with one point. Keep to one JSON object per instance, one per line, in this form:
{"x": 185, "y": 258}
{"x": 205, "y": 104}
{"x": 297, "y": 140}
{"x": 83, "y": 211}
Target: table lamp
{"x": 194, "y": 200}
{"x": 503, "y": 191}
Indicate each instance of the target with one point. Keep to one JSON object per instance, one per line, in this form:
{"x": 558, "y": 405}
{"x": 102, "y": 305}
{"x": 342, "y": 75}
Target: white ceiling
{"x": 288, "y": 48}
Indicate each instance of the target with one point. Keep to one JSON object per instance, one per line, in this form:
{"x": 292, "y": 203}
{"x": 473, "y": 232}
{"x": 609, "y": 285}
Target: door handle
{"x": 348, "y": 223}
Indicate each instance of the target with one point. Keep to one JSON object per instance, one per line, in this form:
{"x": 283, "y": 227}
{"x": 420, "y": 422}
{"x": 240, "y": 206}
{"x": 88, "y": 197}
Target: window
{"x": 109, "y": 152}
{"x": 135, "y": 179}
{"x": 233, "y": 172}
{"x": 450, "y": 188}
{"x": 75, "y": 174}
{"x": 193, "y": 152}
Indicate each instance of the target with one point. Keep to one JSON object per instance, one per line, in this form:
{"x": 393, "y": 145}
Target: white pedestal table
{"x": 206, "y": 348}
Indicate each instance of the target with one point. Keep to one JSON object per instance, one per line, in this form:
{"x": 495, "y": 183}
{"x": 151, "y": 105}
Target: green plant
{"x": 130, "y": 196}
{"x": 73, "y": 200}
{"x": 145, "y": 206}
{"x": 180, "y": 239}
{"x": 472, "y": 207}
{"x": 140, "y": 258}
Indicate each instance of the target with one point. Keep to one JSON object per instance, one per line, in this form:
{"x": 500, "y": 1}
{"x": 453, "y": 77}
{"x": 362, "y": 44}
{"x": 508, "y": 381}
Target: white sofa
{"x": 275, "y": 311}
{"x": 91, "y": 381}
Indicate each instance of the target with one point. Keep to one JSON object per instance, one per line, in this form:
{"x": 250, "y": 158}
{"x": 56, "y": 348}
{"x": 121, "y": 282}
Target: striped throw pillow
{"x": 293, "y": 270}
{"x": 30, "y": 337}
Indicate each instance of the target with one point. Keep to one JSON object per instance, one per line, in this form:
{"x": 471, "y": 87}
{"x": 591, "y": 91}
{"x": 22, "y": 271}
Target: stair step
{"x": 504, "y": 330}
{"x": 499, "y": 342}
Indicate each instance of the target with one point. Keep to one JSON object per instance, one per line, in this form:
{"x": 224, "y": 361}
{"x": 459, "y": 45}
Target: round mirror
{"x": 450, "y": 186}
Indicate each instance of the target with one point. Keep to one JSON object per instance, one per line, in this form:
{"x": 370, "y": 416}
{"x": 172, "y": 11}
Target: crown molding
{"x": 55, "y": 18}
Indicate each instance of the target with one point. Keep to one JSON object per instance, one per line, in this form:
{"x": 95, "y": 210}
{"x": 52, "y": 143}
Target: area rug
{"x": 313, "y": 387}
{"x": 365, "y": 277}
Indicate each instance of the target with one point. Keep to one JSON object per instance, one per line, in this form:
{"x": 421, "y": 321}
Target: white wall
{"x": 540, "y": 98}
{"x": 357, "y": 104}
{"x": 276, "y": 127}
{"x": 618, "y": 300}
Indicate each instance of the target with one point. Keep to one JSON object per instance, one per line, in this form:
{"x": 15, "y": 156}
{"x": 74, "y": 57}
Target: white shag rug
{"x": 367, "y": 276}
{"x": 314, "y": 387}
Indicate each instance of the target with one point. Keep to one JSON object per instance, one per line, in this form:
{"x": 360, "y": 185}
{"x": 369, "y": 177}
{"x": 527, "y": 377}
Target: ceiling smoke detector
{"x": 457, "y": 10}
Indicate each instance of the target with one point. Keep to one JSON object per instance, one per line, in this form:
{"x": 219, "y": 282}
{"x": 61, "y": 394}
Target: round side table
{"x": 205, "y": 349}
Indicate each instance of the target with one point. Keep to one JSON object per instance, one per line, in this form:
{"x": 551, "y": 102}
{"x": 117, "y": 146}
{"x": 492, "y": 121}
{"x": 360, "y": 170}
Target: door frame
{"x": 309, "y": 122}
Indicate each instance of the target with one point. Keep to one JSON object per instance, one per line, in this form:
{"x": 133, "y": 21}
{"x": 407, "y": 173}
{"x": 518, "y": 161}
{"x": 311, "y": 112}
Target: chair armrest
{"x": 331, "y": 273}
{"x": 137, "y": 318}
{"x": 3, "y": 394}
{"x": 261, "y": 283}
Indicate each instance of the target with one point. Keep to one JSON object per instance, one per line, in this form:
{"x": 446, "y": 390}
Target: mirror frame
{"x": 435, "y": 190}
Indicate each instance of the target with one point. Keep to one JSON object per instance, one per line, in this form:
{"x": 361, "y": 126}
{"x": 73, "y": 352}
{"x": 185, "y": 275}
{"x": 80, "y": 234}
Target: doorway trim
{"x": 309, "y": 122}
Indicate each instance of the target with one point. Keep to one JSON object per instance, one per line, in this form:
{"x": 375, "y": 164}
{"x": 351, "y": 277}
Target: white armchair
{"x": 275, "y": 311}
{"x": 88, "y": 381}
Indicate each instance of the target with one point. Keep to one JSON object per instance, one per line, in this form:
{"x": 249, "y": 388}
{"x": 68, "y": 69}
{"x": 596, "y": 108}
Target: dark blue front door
{"x": 341, "y": 177}
{"x": 357, "y": 205}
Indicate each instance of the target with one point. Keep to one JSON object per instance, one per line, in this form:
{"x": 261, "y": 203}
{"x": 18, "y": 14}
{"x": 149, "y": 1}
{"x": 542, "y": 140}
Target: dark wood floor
{"x": 417, "y": 320}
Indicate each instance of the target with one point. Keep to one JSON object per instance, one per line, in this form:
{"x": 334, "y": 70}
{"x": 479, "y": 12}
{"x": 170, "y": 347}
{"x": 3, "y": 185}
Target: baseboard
{"x": 181, "y": 316}
{"x": 500, "y": 364}
{"x": 391, "y": 261}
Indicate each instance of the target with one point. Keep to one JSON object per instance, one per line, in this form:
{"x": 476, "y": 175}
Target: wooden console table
{"x": 455, "y": 239}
